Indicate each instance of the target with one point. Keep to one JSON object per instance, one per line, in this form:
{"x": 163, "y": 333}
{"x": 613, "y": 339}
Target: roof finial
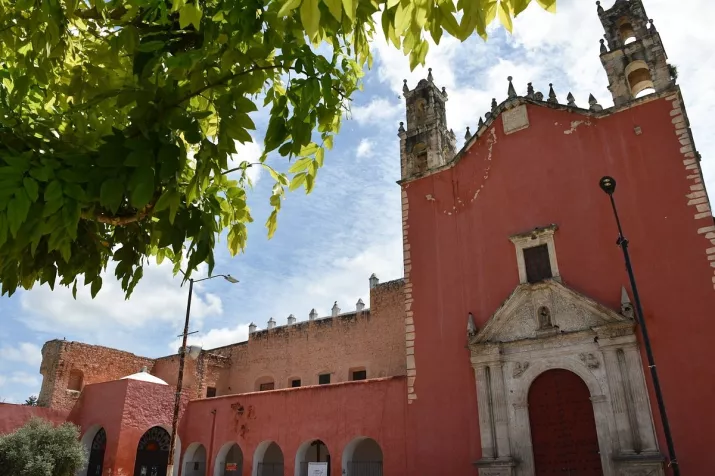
{"x": 599, "y": 8}
{"x": 468, "y": 134}
{"x": 603, "y": 46}
{"x": 552, "y": 95}
{"x": 511, "y": 92}
{"x": 480, "y": 124}
{"x": 494, "y": 104}
{"x": 593, "y": 103}
{"x": 626, "y": 306}
{"x": 471, "y": 326}
{"x": 402, "y": 127}
{"x": 571, "y": 100}
{"x": 430, "y": 78}
{"x": 652, "y": 26}
{"x": 405, "y": 89}
{"x": 529, "y": 91}
{"x": 487, "y": 116}
{"x": 444, "y": 92}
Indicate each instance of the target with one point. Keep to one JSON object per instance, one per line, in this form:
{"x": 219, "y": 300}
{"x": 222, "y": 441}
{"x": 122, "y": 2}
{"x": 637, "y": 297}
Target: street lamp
{"x": 193, "y": 352}
{"x": 608, "y": 185}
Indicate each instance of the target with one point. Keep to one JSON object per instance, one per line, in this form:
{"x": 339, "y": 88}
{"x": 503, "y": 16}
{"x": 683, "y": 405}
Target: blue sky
{"x": 329, "y": 242}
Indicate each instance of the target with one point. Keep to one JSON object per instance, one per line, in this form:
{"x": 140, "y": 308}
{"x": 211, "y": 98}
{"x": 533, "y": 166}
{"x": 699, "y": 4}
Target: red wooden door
{"x": 563, "y": 430}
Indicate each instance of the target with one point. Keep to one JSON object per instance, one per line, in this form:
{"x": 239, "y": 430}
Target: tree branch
{"x": 122, "y": 220}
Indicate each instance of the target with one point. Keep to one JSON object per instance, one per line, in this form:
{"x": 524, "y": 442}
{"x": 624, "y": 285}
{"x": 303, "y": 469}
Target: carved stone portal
{"x": 593, "y": 342}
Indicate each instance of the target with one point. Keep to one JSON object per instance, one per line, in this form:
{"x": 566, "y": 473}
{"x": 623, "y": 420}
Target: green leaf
{"x": 288, "y": 6}
{"x": 140, "y": 157}
{"x": 190, "y": 14}
{"x": 300, "y": 165}
{"x": 31, "y": 188}
{"x": 335, "y": 7}
{"x": 17, "y": 212}
{"x": 165, "y": 200}
{"x": 297, "y": 181}
{"x": 150, "y": 46}
{"x": 141, "y": 185}
{"x": 310, "y": 17}
{"x": 505, "y": 16}
{"x": 272, "y": 223}
{"x": 96, "y": 286}
{"x": 350, "y": 6}
{"x": 548, "y": 5}
{"x": 111, "y": 194}
{"x": 53, "y": 191}
{"x": 3, "y": 229}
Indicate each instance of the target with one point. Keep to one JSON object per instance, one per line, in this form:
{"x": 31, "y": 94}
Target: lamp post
{"x": 608, "y": 185}
{"x": 182, "y": 358}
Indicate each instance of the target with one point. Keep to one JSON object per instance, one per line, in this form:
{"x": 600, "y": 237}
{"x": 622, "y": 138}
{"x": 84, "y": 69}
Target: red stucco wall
{"x": 460, "y": 221}
{"x": 335, "y": 414}
{"x": 14, "y": 416}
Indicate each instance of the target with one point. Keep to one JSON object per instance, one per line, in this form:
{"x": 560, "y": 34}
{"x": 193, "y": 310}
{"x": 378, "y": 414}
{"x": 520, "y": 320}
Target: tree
{"x": 119, "y": 118}
{"x": 31, "y": 401}
{"x": 41, "y": 449}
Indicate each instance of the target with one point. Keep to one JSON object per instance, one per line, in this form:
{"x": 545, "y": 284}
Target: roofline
{"x": 511, "y": 103}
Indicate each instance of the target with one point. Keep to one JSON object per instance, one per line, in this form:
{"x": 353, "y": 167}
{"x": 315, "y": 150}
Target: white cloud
{"x": 20, "y": 378}
{"x": 25, "y": 352}
{"x": 157, "y": 299}
{"x": 215, "y": 338}
{"x": 250, "y": 152}
{"x": 376, "y": 111}
{"x": 364, "y": 149}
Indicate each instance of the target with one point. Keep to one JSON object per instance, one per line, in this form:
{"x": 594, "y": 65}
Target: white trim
{"x": 537, "y": 237}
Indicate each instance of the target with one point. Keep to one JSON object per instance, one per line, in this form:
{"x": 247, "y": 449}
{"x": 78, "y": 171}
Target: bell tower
{"x": 632, "y": 53}
{"x": 426, "y": 143}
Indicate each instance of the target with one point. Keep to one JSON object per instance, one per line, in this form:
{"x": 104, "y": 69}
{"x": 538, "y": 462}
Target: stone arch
{"x": 194, "y": 460}
{"x": 229, "y": 454}
{"x": 363, "y": 455}
{"x": 268, "y": 459}
{"x": 87, "y": 440}
{"x": 311, "y": 451}
{"x": 540, "y": 366}
{"x": 177, "y": 449}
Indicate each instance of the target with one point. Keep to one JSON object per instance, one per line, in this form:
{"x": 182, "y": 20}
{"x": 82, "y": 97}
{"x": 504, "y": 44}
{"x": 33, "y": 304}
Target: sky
{"x": 328, "y": 243}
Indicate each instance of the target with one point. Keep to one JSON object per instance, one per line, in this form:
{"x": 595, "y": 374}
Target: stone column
{"x": 485, "y": 413}
{"x": 618, "y": 400}
{"x": 501, "y": 423}
{"x": 641, "y": 402}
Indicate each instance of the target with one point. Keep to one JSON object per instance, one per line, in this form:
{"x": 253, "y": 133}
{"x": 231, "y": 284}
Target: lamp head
{"x": 608, "y": 184}
{"x": 230, "y": 279}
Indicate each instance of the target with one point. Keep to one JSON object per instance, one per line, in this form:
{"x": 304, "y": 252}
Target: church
{"x": 514, "y": 344}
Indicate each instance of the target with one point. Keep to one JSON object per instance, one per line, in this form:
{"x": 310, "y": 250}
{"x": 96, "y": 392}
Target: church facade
{"x": 511, "y": 346}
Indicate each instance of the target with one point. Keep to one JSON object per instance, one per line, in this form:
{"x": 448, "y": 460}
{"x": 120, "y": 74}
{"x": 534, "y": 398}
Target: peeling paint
{"x": 430, "y": 197}
{"x": 574, "y": 126}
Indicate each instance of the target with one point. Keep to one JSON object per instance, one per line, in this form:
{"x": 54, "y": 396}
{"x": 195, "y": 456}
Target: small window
{"x": 538, "y": 266}
{"x": 267, "y": 386}
{"x": 324, "y": 379}
{"x": 359, "y": 374}
{"x": 75, "y": 380}
{"x": 210, "y": 392}
{"x": 295, "y": 383}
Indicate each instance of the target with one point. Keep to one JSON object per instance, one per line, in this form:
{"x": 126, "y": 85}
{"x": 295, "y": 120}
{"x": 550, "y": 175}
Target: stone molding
{"x": 409, "y": 321}
{"x": 594, "y": 342}
{"x": 536, "y": 237}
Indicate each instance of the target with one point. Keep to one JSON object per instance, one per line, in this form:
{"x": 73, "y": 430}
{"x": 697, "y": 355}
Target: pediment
{"x": 527, "y": 312}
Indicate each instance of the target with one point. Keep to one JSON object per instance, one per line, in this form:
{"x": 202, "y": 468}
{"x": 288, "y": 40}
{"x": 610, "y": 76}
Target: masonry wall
{"x": 96, "y": 364}
{"x": 372, "y": 340}
{"x": 14, "y": 416}
{"x": 458, "y": 223}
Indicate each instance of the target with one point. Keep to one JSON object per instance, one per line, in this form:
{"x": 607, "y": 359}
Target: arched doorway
{"x": 268, "y": 460}
{"x": 96, "y": 453}
{"x": 229, "y": 460}
{"x": 563, "y": 429}
{"x": 313, "y": 451}
{"x": 195, "y": 460}
{"x": 153, "y": 453}
{"x": 362, "y": 457}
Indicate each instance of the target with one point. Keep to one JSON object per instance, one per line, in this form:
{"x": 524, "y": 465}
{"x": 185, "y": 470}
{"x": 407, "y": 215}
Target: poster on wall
{"x": 317, "y": 469}
{"x": 231, "y": 466}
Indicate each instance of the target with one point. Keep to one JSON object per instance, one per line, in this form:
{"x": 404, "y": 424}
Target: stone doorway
{"x": 563, "y": 428}
{"x": 96, "y": 453}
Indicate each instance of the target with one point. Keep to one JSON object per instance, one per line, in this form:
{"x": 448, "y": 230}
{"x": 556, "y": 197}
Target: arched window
{"x": 639, "y": 78}
{"x": 75, "y": 381}
{"x": 625, "y": 31}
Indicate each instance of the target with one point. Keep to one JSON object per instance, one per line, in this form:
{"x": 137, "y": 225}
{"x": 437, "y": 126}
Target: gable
{"x": 543, "y": 309}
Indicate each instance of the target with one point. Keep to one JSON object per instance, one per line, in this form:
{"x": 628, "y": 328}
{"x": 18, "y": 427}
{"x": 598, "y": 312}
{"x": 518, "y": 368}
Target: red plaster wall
{"x": 14, "y": 416}
{"x": 463, "y": 261}
{"x": 335, "y": 414}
